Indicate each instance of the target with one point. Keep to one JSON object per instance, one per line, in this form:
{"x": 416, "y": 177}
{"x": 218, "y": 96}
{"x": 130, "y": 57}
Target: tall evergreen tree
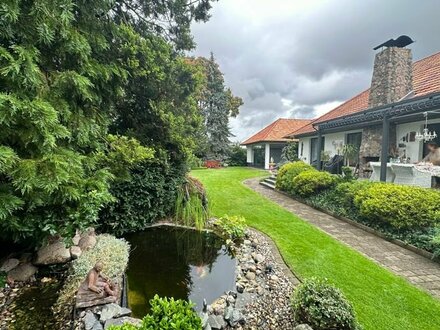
{"x": 217, "y": 104}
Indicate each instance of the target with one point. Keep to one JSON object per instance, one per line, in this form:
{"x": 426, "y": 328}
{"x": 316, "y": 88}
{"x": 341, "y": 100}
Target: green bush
{"x": 399, "y": 206}
{"x": 167, "y": 314}
{"x": 148, "y": 195}
{"x": 309, "y": 182}
{"x": 322, "y": 306}
{"x": 231, "y": 227}
{"x": 288, "y": 172}
{"x": 236, "y": 155}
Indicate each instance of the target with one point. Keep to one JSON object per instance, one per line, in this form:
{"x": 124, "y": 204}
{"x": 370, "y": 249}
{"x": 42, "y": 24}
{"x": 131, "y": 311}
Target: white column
{"x": 267, "y": 156}
{"x": 250, "y": 155}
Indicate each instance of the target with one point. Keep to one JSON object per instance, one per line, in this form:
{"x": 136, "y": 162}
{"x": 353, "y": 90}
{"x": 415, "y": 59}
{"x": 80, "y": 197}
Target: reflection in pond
{"x": 179, "y": 263}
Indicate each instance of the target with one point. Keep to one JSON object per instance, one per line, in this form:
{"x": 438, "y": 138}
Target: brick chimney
{"x": 392, "y": 76}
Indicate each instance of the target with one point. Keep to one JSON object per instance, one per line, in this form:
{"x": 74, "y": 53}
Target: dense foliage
{"x": 70, "y": 73}
{"x": 310, "y": 182}
{"x": 149, "y": 194}
{"x": 322, "y": 306}
{"x": 167, "y": 314}
{"x": 288, "y": 172}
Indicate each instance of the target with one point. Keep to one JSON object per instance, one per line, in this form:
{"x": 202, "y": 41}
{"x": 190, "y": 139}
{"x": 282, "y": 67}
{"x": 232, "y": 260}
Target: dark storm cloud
{"x": 301, "y": 58}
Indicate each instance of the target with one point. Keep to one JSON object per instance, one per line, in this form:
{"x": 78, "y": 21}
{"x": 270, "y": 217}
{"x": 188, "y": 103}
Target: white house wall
{"x": 304, "y": 143}
{"x": 332, "y": 143}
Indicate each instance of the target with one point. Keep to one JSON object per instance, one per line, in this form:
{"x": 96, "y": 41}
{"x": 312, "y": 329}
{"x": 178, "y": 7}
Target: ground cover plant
{"x": 382, "y": 300}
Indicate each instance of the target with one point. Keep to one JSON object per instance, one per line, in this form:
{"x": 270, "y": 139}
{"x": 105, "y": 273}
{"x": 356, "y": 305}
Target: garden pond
{"x": 180, "y": 263}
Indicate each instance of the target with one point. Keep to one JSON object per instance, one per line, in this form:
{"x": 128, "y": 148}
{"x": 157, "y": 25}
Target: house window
{"x": 314, "y": 149}
{"x": 354, "y": 139}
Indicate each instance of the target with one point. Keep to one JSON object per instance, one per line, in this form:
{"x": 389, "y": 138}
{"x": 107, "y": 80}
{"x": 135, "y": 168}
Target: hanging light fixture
{"x": 426, "y": 135}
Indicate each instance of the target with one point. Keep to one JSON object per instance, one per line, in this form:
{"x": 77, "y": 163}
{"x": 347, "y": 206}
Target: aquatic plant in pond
{"x": 179, "y": 263}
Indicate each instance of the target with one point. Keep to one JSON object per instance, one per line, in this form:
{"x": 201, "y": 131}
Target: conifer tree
{"x": 217, "y": 104}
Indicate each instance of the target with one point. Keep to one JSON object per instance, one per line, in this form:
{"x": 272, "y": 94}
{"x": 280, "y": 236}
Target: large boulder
{"x": 55, "y": 253}
{"x": 9, "y": 264}
{"x": 87, "y": 240}
{"x": 22, "y": 273}
{"x": 75, "y": 252}
{"x": 303, "y": 327}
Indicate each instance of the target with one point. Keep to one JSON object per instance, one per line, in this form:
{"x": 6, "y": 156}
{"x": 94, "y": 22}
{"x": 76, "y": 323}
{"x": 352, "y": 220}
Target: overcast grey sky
{"x": 301, "y": 58}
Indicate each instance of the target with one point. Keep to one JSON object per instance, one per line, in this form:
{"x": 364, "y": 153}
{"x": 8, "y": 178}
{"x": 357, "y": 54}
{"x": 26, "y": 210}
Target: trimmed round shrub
{"x": 309, "y": 182}
{"x": 323, "y": 306}
{"x": 288, "y": 172}
{"x": 400, "y": 206}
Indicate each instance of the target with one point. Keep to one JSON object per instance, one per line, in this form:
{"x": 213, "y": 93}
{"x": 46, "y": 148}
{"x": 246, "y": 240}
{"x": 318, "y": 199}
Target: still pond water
{"x": 180, "y": 263}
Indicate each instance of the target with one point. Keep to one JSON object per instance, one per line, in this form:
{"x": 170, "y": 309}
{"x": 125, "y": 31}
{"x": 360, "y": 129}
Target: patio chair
{"x": 410, "y": 175}
{"x": 334, "y": 165}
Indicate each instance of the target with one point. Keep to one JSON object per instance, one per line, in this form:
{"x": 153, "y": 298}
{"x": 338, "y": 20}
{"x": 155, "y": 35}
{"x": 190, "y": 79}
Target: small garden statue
{"x": 97, "y": 282}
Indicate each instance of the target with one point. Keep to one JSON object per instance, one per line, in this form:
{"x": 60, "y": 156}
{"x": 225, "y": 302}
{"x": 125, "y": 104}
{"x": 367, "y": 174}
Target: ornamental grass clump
{"x": 323, "y": 306}
{"x": 191, "y": 204}
{"x": 288, "y": 172}
{"x": 402, "y": 207}
{"x": 309, "y": 182}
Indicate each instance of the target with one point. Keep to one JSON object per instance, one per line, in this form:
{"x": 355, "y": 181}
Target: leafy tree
{"x": 170, "y": 19}
{"x": 217, "y": 104}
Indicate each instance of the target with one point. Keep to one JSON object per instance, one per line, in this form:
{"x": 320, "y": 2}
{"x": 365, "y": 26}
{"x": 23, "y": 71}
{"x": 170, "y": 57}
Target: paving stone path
{"x": 418, "y": 270}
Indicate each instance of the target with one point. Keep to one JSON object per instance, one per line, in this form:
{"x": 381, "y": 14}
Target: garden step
{"x": 270, "y": 180}
{"x": 267, "y": 184}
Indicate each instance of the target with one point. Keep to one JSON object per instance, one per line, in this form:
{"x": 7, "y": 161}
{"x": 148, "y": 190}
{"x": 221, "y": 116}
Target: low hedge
{"x": 288, "y": 172}
{"x": 398, "y": 205}
{"x": 407, "y": 213}
{"x": 309, "y": 182}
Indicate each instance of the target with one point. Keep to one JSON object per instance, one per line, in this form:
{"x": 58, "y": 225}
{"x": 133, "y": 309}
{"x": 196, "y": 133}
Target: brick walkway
{"x": 418, "y": 270}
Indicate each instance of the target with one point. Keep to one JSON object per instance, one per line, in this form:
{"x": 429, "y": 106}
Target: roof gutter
{"x": 405, "y": 107}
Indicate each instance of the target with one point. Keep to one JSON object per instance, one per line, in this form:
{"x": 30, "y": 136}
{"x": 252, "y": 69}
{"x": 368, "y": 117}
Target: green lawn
{"x": 381, "y": 299}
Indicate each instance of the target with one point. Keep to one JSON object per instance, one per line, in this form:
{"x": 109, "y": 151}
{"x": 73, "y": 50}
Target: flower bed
{"x": 410, "y": 214}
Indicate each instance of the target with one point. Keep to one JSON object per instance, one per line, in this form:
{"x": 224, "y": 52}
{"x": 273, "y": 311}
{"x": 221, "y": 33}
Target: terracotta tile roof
{"x": 276, "y": 131}
{"x": 426, "y": 80}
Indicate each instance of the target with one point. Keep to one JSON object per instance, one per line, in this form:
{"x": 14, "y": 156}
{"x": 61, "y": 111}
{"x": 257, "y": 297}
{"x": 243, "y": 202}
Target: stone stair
{"x": 269, "y": 182}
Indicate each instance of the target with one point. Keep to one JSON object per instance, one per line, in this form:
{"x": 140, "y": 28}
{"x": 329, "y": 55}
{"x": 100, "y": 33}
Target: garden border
{"x": 370, "y": 230}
